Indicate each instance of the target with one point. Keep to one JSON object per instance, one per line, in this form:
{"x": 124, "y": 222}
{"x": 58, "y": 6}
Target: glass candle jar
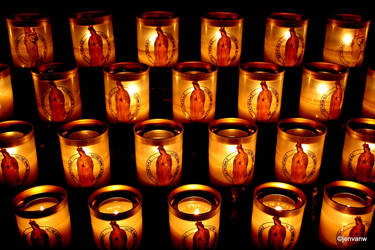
{"x": 6, "y": 92}
{"x": 260, "y": 90}
{"x": 158, "y": 152}
{"x": 322, "y": 91}
{"x": 85, "y": 153}
{"x": 127, "y": 94}
{"x": 368, "y": 103}
{"x": 194, "y": 217}
{"x": 346, "y": 214}
{"x": 276, "y": 219}
{"x": 116, "y": 217}
{"x": 194, "y": 92}
{"x": 221, "y": 38}
{"x": 57, "y": 92}
{"x": 299, "y": 150}
{"x": 30, "y": 39}
{"x": 231, "y": 151}
{"x": 43, "y": 217}
{"x": 158, "y": 38}
{"x": 285, "y": 38}
{"x": 345, "y": 39}
{"x": 92, "y": 38}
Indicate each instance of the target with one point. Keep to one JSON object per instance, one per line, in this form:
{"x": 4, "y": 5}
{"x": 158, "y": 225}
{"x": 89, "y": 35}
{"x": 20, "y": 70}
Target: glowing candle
{"x": 6, "y": 92}
{"x": 368, "y": 103}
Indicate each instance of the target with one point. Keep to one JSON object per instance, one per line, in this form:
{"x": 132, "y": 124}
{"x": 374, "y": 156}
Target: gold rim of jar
{"x": 366, "y": 192}
{"x": 185, "y": 69}
{"x": 68, "y": 128}
{"x": 283, "y": 189}
{"x": 43, "y": 191}
{"x": 16, "y": 126}
{"x": 233, "y": 123}
{"x": 363, "y": 136}
{"x": 158, "y": 18}
{"x": 269, "y": 71}
{"x": 91, "y": 17}
{"x": 28, "y": 19}
{"x": 4, "y": 70}
{"x": 131, "y": 71}
{"x": 371, "y": 71}
{"x": 162, "y": 123}
{"x": 287, "y": 19}
{"x": 113, "y": 191}
{"x": 191, "y": 190}
{"x": 222, "y": 19}
{"x": 318, "y": 128}
{"x": 325, "y": 71}
{"x": 54, "y": 71}
{"x": 349, "y": 20}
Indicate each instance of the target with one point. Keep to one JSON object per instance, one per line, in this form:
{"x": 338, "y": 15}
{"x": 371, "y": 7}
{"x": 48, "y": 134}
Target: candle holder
{"x": 116, "y": 217}
{"x": 231, "y": 151}
{"x": 19, "y": 163}
{"x": 6, "y": 93}
{"x": 346, "y": 214}
{"x": 322, "y": 91}
{"x": 299, "y": 150}
{"x": 221, "y": 38}
{"x": 158, "y": 152}
{"x": 158, "y": 38}
{"x": 194, "y": 217}
{"x": 42, "y": 216}
{"x": 92, "y": 38}
{"x": 85, "y": 153}
{"x": 285, "y": 38}
{"x": 57, "y": 92}
{"x": 127, "y": 92}
{"x": 277, "y": 215}
{"x": 345, "y": 39}
{"x": 194, "y": 92}
{"x": 260, "y": 90}
{"x": 368, "y": 104}
{"x": 30, "y": 39}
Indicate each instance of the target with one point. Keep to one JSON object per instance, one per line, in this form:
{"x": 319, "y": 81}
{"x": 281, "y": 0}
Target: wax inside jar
{"x": 301, "y": 132}
{"x": 158, "y": 134}
{"x": 279, "y": 202}
{"x": 41, "y": 204}
{"x": 233, "y": 133}
{"x": 115, "y": 205}
{"x": 10, "y": 135}
{"x": 84, "y": 134}
{"x": 194, "y": 205}
{"x": 349, "y": 200}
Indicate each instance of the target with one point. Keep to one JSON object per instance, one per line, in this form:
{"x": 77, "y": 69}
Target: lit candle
{"x": 116, "y": 217}
{"x": 158, "y": 152}
{"x": 368, "y": 103}
{"x": 85, "y": 152}
{"x": 346, "y": 214}
{"x": 6, "y": 92}
{"x": 42, "y": 216}
{"x": 277, "y": 215}
{"x": 194, "y": 217}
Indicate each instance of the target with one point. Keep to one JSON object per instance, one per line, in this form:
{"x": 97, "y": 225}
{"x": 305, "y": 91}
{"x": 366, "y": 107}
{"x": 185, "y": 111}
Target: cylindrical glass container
{"x": 43, "y": 217}
{"x": 368, "y": 103}
{"x": 259, "y": 91}
{"x": 158, "y": 152}
{"x": 345, "y": 39}
{"x": 127, "y": 94}
{"x": 194, "y": 217}
{"x": 194, "y": 92}
{"x": 92, "y": 38}
{"x": 285, "y": 38}
{"x": 85, "y": 153}
{"x": 30, "y": 38}
{"x": 299, "y": 150}
{"x": 346, "y": 214}
{"x": 57, "y": 92}
{"x": 221, "y": 38}
{"x": 277, "y": 215}
{"x": 116, "y": 217}
{"x": 158, "y": 38}
{"x": 6, "y": 92}
{"x": 231, "y": 151}
{"x": 322, "y": 91}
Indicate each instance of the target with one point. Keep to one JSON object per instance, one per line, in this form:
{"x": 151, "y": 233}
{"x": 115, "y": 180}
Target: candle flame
{"x": 347, "y": 39}
{"x": 196, "y": 212}
{"x": 322, "y": 88}
{"x": 41, "y": 208}
{"x": 278, "y": 208}
{"x": 116, "y": 212}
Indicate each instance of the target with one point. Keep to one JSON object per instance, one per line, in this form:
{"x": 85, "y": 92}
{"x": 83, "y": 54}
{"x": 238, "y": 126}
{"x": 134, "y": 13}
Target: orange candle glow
{"x": 6, "y": 92}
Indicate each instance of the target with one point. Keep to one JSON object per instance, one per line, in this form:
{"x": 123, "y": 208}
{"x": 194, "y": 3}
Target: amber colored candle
{"x": 6, "y": 92}
{"x": 368, "y": 103}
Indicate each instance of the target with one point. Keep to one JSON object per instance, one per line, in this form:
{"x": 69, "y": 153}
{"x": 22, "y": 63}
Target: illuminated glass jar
{"x": 194, "y": 217}
{"x": 127, "y": 94}
{"x": 231, "y": 151}
{"x": 345, "y": 39}
{"x": 346, "y": 214}
{"x": 158, "y": 38}
{"x": 194, "y": 92}
{"x": 43, "y": 217}
{"x": 85, "y": 153}
{"x": 6, "y": 92}
{"x": 322, "y": 91}
{"x": 368, "y": 103}
{"x": 285, "y": 38}
{"x": 277, "y": 215}
{"x": 57, "y": 92}
{"x": 116, "y": 217}
{"x": 221, "y": 38}
{"x": 30, "y": 38}
{"x": 259, "y": 91}
{"x": 158, "y": 152}
{"x": 92, "y": 38}
{"x": 299, "y": 150}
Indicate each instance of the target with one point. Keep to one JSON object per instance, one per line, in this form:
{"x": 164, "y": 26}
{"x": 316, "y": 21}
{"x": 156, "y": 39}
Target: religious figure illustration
{"x": 164, "y": 167}
{"x": 365, "y": 164}
{"x": 122, "y": 103}
{"x": 95, "y": 48}
{"x": 240, "y": 163}
{"x": 357, "y": 45}
{"x": 161, "y": 48}
{"x": 300, "y": 161}
{"x": 85, "y": 167}
{"x": 358, "y": 230}
{"x": 39, "y": 237}
{"x": 291, "y": 48}
{"x": 335, "y": 104}
{"x": 31, "y": 43}
{"x": 9, "y": 167}
{"x": 276, "y": 234}
{"x": 264, "y": 102}
{"x": 223, "y": 48}
{"x": 197, "y": 100}
{"x": 56, "y": 103}
{"x": 118, "y": 238}
{"x": 201, "y": 237}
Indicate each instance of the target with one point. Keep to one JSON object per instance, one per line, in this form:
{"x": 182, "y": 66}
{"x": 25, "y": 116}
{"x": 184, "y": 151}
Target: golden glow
{"x": 115, "y": 212}
{"x": 132, "y": 89}
{"x": 287, "y": 34}
{"x": 347, "y": 39}
{"x": 278, "y": 208}
{"x": 322, "y": 88}
{"x": 153, "y": 38}
{"x": 41, "y": 208}
{"x": 196, "y": 211}
{"x": 218, "y": 35}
